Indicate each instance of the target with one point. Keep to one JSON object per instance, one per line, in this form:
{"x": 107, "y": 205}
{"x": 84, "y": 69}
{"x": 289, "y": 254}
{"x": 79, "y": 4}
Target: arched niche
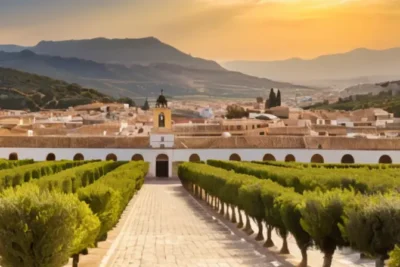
{"x": 137, "y": 157}
{"x": 385, "y": 159}
{"x": 78, "y": 157}
{"x": 194, "y": 158}
{"x": 235, "y": 157}
{"x": 317, "y": 158}
{"x": 348, "y": 159}
{"x": 13, "y": 156}
{"x": 269, "y": 157}
{"x": 290, "y": 158}
{"x": 112, "y": 157}
{"x": 51, "y": 157}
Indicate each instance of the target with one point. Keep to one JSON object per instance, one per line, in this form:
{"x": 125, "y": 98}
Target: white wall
{"x": 150, "y": 155}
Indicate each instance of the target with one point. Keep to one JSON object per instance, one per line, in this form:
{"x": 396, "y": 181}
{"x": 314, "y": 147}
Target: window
{"x": 162, "y": 138}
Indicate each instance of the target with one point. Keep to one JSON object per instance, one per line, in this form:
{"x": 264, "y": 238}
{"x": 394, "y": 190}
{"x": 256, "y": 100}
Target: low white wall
{"x": 150, "y": 155}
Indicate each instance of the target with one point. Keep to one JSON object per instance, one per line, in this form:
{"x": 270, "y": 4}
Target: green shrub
{"x": 395, "y": 257}
{"x": 9, "y": 164}
{"x": 69, "y": 181}
{"x": 105, "y": 203}
{"x": 362, "y": 180}
{"x": 42, "y": 228}
{"x": 371, "y": 225}
{"x": 23, "y": 174}
{"x": 321, "y": 215}
{"x": 262, "y": 200}
{"x": 108, "y": 196}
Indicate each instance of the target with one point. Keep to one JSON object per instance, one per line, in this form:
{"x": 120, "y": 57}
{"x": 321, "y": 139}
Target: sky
{"x": 214, "y": 29}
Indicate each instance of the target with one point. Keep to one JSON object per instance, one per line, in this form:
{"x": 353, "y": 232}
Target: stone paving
{"x": 166, "y": 226}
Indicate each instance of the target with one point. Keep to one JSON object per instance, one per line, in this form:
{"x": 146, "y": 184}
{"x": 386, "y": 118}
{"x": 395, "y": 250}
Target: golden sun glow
{"x": 221, "y": 29}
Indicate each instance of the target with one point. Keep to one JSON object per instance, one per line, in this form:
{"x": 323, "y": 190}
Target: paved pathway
{"x": 167, "y": 227}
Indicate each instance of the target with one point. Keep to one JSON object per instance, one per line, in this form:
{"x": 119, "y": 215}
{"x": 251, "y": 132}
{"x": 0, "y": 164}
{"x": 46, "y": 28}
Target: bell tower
{"x": 162, "y": 116}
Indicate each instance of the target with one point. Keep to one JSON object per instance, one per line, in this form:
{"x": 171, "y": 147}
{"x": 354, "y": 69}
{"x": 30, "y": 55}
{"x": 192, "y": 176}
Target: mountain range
{"x": 143, "y": 51}
{"x": 131, "y": 79}
{"x": 360, "y": 65}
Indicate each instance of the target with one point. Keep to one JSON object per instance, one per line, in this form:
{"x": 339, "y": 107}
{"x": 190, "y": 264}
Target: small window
{"x": 262, "y": 133}
{"x": 162, "y": 146}
{"x": 162, "y": 139}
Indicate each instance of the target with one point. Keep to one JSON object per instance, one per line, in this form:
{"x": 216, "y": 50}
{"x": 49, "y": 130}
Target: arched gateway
{"x": 162, "y": 166}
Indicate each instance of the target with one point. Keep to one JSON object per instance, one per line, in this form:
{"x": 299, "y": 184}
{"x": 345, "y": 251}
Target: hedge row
{"x": 22, "y": 174}
{"x": 361, "y": 180}
{"x": 9, "y": 164}
{"x": 69, "y": 181}
{"x": 328, "y": 219}
{"x": 328, "y": 165}
{"x": 256, "y": 197}
{"x": 109, "y": 195}
{"x": 42, "y": 227}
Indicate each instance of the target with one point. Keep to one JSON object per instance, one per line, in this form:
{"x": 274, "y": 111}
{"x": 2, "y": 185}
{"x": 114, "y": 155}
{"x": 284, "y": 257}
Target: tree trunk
{"x": 240, "y": 225}
{"x": 222, "y": 211}
{"x": 285, "y": 248}
{"x": 380, "y": 261}
{"x": 227, "y": 212}
{"x": 217, "y": 204}
{"x": 327, "y": 260}
{"x": 233, "y": 220}
{"x": 75, "y": 260}
{"x": 247, "y": 228}
{"x": 269, "y": 243}
{"x": 260, "y": 236}
{"x": 304, "y": 258}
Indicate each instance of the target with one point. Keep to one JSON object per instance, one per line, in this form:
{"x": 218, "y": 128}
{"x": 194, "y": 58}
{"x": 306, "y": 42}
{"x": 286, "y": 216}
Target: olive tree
{"x": 290, "y": 204}
{"x": 371, "y": 225}
{"x": 36, "y": 228}
{"x": 250, "y": 196}
{"x": 322, "y": 213}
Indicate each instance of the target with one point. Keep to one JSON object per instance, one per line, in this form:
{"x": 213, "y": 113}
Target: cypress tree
{"x": 146, "y": 105}
{"x": 278, "y": 99}
{"x": 272, "y": 98}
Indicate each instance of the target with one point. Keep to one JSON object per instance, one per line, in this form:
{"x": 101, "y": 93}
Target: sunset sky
{"x": 215, "y": 29}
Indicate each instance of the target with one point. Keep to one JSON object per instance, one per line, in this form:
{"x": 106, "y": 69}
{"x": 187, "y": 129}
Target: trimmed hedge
{"x": 330, "y": 218}
{"x": 9, "y": 164}
{"x": 71, "y": 180}
{"x": 362, "y": 180}
{"x": 259, "y": 199}
{"x": 109, "y": 195}
{"x": 25, "y": 173}
{"x": 300, "y": 165}
{"x": 39, "y": 228}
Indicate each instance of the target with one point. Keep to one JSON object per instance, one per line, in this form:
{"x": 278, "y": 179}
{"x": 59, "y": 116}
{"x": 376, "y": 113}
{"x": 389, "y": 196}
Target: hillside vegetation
{"x": 384, "y": 100}
{"x": 21, "y": 90}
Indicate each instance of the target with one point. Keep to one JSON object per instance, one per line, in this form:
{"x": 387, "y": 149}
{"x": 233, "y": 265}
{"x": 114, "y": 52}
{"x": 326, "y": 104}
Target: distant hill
{"x": 387, "y": 98}
{"x": 21, "y": 90}
{"x": 144, "y": 51}
{"x": 120, "y": 80}
{"x": 11, "y": 48}
{"x": 374, "y": 65}
{"x": 370, "y": 88}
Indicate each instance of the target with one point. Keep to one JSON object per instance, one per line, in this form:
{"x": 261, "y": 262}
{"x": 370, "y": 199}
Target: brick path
{"x": 167, "y": 227}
